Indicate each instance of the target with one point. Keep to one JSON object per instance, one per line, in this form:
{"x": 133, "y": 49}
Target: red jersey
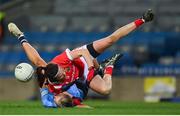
{"x": 74, "y": 69}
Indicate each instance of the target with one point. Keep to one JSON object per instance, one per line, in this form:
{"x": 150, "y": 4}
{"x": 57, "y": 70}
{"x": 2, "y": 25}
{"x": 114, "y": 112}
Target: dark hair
{"x": 51, "y": 71}
{"x": 40, "y": 75}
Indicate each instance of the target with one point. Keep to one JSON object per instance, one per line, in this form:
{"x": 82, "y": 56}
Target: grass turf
{"x": 100, "y": 107}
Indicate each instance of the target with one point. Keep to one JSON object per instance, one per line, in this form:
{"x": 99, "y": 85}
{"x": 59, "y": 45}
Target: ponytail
{"x": 49, "y": 72}
{"x": 40, "y": 73}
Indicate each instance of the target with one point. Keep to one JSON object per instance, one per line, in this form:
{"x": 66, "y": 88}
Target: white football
{"x": 24, "y": 72}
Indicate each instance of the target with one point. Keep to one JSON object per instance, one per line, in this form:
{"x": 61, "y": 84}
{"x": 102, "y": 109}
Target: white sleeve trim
{"x": 44, "y": 92}
{"x": 68, "y": 54}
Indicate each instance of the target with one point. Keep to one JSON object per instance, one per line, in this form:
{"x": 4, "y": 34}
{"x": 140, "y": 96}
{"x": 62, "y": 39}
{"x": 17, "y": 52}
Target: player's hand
{"x": 148, "y": 16}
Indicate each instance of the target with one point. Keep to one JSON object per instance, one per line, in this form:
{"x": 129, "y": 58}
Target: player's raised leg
{"x": 104, "y": 85}
{"x": 103, "y": 44}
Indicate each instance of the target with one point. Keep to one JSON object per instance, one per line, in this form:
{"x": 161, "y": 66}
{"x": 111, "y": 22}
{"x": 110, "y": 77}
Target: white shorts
{"x": 86, "y": 71}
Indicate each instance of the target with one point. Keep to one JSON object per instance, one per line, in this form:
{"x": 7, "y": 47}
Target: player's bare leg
{"x": 104, "y": 43}
{"x": 104, "y": 85}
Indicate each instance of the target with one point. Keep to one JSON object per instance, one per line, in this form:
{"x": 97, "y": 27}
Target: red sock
{"x": 90, "y": 75}
{"x": 138, "y": 22}
{"x": 108, "y": 70}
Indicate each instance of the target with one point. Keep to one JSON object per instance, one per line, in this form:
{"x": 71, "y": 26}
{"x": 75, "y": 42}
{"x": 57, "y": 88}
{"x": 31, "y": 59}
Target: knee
{"x": 111, "y": 39}
{"x": 106, "y": 90}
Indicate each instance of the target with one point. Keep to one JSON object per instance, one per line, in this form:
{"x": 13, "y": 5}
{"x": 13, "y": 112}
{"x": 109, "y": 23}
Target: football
{"x": 24, "y": 72}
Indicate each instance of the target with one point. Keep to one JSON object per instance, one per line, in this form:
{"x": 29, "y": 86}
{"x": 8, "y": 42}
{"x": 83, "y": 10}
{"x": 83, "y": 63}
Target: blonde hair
{"x": 64, "y": 100}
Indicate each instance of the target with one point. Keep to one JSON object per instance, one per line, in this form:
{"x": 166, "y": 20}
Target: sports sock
{"x": 139, "y": 22}
{"x": 22, "y": 39}
{"x": 90, "y": 75}
{"x": 109, "y": 70}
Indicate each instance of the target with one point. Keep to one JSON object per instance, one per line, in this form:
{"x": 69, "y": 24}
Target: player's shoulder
{"x": 63, "y": 58}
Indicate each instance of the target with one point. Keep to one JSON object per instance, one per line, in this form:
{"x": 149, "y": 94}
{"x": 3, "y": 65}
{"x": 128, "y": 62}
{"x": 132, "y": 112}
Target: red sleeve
{"x": 80, "y": 65}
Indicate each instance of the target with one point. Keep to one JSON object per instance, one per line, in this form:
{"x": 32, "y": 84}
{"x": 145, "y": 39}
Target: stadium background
{"x": 53, "y": 25}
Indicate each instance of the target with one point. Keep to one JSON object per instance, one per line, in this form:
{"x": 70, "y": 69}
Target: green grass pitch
{"x": 100, "y": 107}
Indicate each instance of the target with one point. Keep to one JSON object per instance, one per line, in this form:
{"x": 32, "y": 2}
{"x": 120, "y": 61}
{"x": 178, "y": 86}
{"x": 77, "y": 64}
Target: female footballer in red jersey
{"x": 80, "y": 62}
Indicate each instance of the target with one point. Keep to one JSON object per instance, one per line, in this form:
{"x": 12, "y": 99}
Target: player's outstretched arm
{"x": 84, "y": 53}
{"x": 47, "y": 98}
{"x": 31, "y": 53}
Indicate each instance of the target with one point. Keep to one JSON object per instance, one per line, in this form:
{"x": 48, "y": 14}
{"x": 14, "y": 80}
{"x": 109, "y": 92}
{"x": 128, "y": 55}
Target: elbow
{"x": 44, "y": 103}
{"x": 38, "y": 62}
{"x": 48, "y": 104}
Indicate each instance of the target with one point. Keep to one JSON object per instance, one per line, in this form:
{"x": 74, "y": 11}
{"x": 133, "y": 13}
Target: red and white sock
{"x": 109, "y": 70}
{"x": 139, "y": 22}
